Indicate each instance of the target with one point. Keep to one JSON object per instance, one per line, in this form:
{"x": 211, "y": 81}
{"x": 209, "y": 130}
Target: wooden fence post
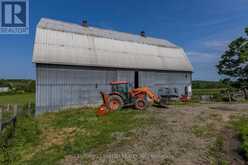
{"x": 15, "y": 110}
{"x": 15, "y": 117}
{"x": 1, "y": 120}
{"x": 29, "y": 108}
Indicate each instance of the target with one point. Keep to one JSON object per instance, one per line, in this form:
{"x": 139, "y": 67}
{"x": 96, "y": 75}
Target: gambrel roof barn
{"x": 75, "y": 62}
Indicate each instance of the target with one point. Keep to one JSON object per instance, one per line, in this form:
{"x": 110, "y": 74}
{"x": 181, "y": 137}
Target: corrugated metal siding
{"x": 156, "y": 80}
{"x": 59, "y": 87}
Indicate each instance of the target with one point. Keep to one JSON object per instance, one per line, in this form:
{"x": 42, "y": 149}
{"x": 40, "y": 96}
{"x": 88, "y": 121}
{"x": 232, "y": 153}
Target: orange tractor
{"x": 124, "y": 96}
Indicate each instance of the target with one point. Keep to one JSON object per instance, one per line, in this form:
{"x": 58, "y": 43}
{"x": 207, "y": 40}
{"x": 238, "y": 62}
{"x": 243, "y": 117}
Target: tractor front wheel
{"x": 115, "y": 103}
{"x": 140, "y": 104}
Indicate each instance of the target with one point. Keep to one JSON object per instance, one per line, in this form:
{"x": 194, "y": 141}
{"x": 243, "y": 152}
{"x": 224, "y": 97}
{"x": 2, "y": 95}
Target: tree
{"x": 233, "y": 63}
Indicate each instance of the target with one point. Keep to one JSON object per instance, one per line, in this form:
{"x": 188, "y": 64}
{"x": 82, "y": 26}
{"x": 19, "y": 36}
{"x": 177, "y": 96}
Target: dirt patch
{"x": 186, "y": 135}
{"x": 231, "y": 146}
{"x": 57, "y": 136}
{"x": 229, "y": 107}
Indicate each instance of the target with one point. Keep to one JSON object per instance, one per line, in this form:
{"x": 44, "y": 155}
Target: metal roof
{"x": 58, "y": 42}
{"x": 97, "y": 32}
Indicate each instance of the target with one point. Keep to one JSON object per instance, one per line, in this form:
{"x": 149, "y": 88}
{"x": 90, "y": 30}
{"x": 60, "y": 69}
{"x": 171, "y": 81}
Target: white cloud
{"x": 200, "y": 55}
{"x": 219, "y": 45}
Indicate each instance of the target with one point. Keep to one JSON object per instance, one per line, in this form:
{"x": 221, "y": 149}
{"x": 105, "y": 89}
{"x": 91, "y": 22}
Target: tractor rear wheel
{"x": 140, "y": 104}
{"x": 115, "y": 103}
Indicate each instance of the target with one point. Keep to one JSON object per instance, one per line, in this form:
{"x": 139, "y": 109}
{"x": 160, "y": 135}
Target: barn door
{"x": 136, "y": 79}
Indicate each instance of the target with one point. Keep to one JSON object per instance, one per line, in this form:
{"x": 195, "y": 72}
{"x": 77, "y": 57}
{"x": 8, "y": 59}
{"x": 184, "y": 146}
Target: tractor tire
{"x": 164, "y": 102}
{"x": 140, "y": 104}
{"x": 115, "y": 103}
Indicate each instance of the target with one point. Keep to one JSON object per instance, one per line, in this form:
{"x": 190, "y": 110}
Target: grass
{"x": 202, "y": 130}
{"x": 207, "y": 91}
{"x": 49, "y": 138}
{"x": 216, "y": 151}
{"x": 241, "y": 126}
{"x": 19, "y": 99}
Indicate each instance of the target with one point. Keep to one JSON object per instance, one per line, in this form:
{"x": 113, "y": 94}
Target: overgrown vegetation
{"x": 48, "y": 138}
{"x": 216, "y": 151}
{"x": 24, "y": 131}
{"x": 241, "y": 126}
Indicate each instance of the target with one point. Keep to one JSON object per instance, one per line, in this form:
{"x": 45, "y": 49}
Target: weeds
{"x": 241, "y": 126}
{"x": 25, "y": 135}
{"x": 216, "y": 151}
{"x": 203, "y": 130}
{"x": 49, "y": 138}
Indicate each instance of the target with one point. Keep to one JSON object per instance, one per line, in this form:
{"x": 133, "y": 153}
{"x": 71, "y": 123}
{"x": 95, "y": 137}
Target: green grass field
{"x": 207, "y": 91}
{"x": 48, "y": 138}
{"x": 19, "y": 99}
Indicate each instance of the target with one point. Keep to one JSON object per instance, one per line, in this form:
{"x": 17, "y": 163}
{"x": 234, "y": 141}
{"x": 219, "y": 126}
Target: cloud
{"x": 218, "y": 45}
{"x": 201, "y": 56}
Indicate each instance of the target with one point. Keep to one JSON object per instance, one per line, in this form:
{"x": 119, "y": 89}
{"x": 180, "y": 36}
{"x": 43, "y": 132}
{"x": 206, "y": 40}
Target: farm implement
{"x": 122, "y": 95}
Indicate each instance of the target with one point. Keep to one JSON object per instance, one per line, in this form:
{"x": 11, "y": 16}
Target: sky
{"x": 203, "y": 28}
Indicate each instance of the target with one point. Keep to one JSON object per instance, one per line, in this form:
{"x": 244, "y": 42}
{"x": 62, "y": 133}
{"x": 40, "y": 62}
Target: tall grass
{"x": 241, "y": 126}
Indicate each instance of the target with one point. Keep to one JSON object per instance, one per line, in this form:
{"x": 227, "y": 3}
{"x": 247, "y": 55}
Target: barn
{"x": 75, "y": 62}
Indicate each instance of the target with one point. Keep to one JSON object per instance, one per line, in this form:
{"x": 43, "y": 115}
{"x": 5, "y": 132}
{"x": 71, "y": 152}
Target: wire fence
{"x": 9, "y": 115}
{"x": 9, "y": 122}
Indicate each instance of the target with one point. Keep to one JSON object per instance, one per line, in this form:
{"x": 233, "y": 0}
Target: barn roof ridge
{"x": 60, "y": 43}
{"x": 52, "y": 24}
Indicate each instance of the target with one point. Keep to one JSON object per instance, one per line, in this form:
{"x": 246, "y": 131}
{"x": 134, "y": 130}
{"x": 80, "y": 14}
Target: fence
{"x": 9, "y": 114}
{"x": 12, "y": 119}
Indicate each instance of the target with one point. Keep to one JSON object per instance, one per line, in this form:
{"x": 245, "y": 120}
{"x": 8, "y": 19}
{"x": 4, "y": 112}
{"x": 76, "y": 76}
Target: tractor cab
{"x": 121, "y": 88}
